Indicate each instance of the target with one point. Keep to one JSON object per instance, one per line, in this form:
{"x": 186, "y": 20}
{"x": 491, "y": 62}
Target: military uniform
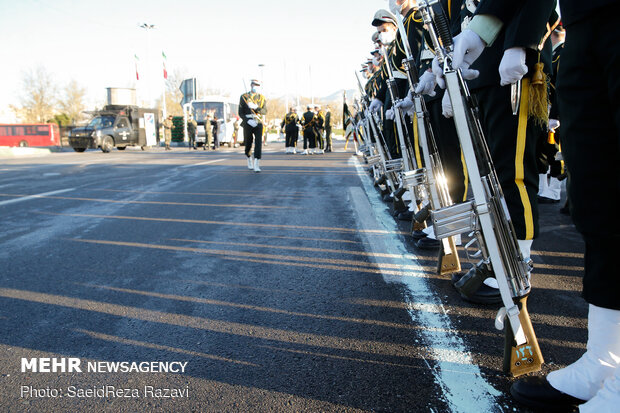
{"x": 588, "y": 90}
{"x": 307, "y": 123}
{"x": 191, "y": 131}
{"x": 512, "y": 144}
{"x": 252, "y": 122}
{"x": 319, "y": 123}
{"x": 328, "y": 131}
{"x": 290, "y": 122}
{"x": 168, "y": 131}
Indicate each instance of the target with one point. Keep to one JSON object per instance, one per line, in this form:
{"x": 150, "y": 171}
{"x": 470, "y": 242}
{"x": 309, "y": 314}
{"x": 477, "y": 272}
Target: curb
{"x": 15, "y": 152}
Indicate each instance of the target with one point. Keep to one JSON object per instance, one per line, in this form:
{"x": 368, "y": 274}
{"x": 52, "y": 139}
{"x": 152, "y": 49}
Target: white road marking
{"x": 464, "y": 388}
{"x": 28, "y": 197}
{"x": 204, "y": 163}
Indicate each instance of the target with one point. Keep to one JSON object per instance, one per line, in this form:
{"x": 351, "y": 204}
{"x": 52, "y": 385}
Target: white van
{"x": 224, "y": 108}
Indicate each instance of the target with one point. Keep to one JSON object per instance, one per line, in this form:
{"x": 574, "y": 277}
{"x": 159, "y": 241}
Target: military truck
{"x": 117, "y": 126}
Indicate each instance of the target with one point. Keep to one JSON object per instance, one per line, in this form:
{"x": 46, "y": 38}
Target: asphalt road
{"x": 290, "y": 290}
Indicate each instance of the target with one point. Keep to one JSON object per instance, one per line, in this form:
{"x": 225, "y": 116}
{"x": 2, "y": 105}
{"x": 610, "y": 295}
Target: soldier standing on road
{"x": 208, "y": 132}
{"x": 291, "y": 130}
{"x": 319, "y": 122}
{"x": 307, "y": 123}
{"x": 191, "y": 131}
{"x": 168, "y": 131}
{"x": 215, "y": 126}
{"x": 328, "y": 129}
{"x": 251, "y": 109}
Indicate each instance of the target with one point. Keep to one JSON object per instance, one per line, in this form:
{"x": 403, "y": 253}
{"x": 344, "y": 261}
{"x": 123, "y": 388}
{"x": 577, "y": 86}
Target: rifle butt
{"x": 526, "y": 358}
{"x": 448, "y": 261}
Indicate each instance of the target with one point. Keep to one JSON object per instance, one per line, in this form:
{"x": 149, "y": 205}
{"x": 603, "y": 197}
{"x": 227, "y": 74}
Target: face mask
{"x": 387, "y": 37}
{"x": 375, "y": 61}
{"x": 395, "y": 8}
{"x": 255, "y": 89}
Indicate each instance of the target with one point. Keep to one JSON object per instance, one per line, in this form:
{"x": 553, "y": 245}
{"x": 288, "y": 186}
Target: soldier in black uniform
{"x": 444, "y": 130}
{"x": 251, "y": 110}
{"x": 588, "y": 91}
{"x": 289, "y": 124}
{"x": 307, "y": 124}
{"x": 328, "y": 129}
{"x": 319, "y": 123}
{"x": 512, "y": 140}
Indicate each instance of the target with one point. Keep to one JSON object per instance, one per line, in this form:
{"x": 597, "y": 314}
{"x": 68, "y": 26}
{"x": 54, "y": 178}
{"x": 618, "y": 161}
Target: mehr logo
{"x": 51, "y": 365}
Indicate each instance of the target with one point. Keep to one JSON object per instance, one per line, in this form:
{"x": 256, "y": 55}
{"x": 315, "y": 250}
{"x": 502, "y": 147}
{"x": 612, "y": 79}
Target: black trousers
{"x": 309, "y": 138}
{"x": 292, "y": 134}
{"x": 328, "y": 137}
{"x": 253, "y": 134}
{"x": 514, "y": 158}
{"x": 589, "y": 103}
{"x": 449, "y": 149}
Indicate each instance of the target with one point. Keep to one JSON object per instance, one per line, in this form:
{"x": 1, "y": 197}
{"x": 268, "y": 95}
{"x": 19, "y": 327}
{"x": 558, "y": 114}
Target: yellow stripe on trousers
{"x": 519, "y": 170}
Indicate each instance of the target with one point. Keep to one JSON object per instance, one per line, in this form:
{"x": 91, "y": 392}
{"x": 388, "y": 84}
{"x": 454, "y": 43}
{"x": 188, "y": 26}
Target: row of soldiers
{"x": 508, "y": 53}
{"x": 316, "y": 128}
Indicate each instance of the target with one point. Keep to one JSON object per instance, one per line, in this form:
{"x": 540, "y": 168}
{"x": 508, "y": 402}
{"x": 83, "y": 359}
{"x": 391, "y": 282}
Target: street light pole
{"x": 148, "y": 28}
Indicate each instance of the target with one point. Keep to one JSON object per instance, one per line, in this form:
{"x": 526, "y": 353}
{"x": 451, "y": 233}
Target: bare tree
{"x": 72, "y": 101}
{"x": 38, "y": 100}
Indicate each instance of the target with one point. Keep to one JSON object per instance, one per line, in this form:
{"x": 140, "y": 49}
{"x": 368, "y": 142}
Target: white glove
{"x": 553, "y": 124}
{"x": 252, "y": 123}
{"x": 512, "y": 67}
{"x": 438, "y": 73}
{"x": 252, "y": 105}
{"x": 446, "y": 106}
{"x": 375, "y": 105}
{"x": 406, "y": 103}
{"x": 468, "y": 46}
{"x": 389, "y": 114}
{"x": 426, "y": 84}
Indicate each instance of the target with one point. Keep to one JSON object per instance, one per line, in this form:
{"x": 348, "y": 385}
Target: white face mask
{"x": 395, "y": 8}
{"x": 375, "y": 61}
{"x": 255, "y": 89}
{"x": 387, "y": 37}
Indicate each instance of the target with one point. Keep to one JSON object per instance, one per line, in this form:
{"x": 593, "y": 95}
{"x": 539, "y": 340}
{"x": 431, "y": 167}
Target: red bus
{"x": 34, "y": 134}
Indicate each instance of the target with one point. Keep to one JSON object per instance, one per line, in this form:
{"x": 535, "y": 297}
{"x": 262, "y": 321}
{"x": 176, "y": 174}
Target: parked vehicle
{"x": 34, "y": 134}
{"x": 117, "y": 126}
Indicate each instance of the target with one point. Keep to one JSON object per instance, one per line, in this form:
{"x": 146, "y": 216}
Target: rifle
{"x": 432, "y": 176}
{"x": 408, "y": 159}
{"x": 387, "y": 166}
{"x": 487, "y": 214}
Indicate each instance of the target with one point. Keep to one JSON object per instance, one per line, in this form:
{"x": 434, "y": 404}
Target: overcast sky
{"x": 219, "y": 42}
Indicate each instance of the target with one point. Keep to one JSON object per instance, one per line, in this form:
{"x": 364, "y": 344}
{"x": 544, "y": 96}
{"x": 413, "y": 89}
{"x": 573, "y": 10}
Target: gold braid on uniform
{"x": 539, "y": 96}
{"x": 539, "y": 86}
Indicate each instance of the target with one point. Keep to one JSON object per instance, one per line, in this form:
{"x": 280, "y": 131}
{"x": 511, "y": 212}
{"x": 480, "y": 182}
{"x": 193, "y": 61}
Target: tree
{"x": 72, "y": 102}
{"x": 38, "y": 101}
{"x": 61, "y": 119}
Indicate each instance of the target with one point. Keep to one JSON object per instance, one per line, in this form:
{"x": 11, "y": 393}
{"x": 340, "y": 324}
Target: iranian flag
{"x": 163, "y": 55}
{"x": 137, "y": 75}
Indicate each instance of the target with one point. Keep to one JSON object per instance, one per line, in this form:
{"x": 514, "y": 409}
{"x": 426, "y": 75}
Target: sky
{"x": 309, "y": 48}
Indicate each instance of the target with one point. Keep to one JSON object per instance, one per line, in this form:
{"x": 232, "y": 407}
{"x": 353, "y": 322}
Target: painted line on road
{"x": 464, "y": 388}
{"x": 204, "y": 163}
{"x": 28, "y": 197}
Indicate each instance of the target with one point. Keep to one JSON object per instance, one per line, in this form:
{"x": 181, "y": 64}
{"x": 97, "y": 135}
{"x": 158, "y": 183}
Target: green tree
{"x": 61, "y": 119}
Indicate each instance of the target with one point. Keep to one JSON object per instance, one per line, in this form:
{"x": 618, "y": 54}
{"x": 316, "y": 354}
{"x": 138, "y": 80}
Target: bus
{"x": 227, "y": 111}
{"x": 33, "y": 134}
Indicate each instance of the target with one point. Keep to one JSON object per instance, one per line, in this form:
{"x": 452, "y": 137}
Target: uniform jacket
{"x": 525, "y": 25}
{"x": 290, "y": 121}
{"x": 244, "y": 109}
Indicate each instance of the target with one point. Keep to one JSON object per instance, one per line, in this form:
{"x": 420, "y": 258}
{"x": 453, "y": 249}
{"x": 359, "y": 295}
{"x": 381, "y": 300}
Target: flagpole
{"x": 163, "y": 99}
